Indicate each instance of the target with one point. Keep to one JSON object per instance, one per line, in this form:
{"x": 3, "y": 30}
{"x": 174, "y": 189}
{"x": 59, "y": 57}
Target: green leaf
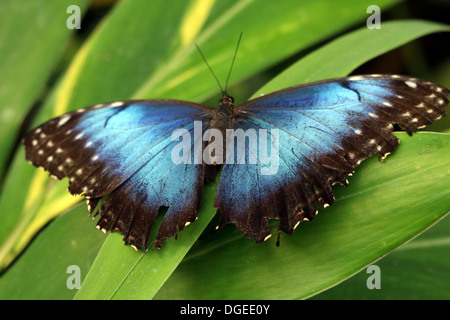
{"x": 41, "y": 273}
{"x": 160, "y": 60}
{"x": 126, "y": 274}
{"x": 366, "y": 44}
{"x": 386, "y": 204}
{"x": 361, "y": 43}
{"x": 149, "y": 289}
{"x": 32, "y": 38}
{"x": 91, "y": 77}
{"x": 105, "y": 69}
{"x": 442, "y": 76}
{"x": 413, "y": 271}
{"x": 118, "y": 284}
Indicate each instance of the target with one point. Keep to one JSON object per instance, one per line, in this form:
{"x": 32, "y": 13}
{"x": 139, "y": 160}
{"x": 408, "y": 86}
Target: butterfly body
{"x": 320, "y": 132}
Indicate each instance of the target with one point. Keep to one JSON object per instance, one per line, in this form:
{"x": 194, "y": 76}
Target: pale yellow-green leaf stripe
{"x": 194, "y": 20}
{"x": 35, "y": 213}
{"x": 9, "y": 247}
{"x": 70, "y": 79}
{"x": 172, "y": 63}
{"x": 35, "y": 190}
{"x": 45, "y": 213}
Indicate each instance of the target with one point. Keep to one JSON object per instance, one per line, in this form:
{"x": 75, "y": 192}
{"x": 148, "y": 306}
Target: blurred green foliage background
{"x": 135, "y": 49}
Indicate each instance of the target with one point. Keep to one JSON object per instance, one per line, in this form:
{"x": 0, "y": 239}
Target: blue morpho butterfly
{"x": 127, "y": 151}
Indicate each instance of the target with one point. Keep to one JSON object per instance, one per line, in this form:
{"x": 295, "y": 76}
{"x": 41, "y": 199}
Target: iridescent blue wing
{"x": 325, "y": 130}
{"x": 123, "y": 150}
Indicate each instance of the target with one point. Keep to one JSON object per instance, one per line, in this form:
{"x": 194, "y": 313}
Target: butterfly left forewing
{"x": 118, "y": 149}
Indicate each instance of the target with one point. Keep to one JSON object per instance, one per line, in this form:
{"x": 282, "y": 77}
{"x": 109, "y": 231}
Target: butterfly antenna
{"x": 232, "y": 62}
{"x": 209, "y": 67}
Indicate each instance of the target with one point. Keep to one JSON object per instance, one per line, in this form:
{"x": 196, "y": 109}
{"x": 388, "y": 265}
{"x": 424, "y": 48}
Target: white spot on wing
{"x": 411, "y": 84}
{"x": 116, "y": 104}
{"x": 63, "y": 120}
{"x": 79, "y": 136}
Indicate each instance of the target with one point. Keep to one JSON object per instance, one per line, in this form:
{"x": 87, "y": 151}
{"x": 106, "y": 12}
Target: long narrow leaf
{"x": 127, "y": 284}
{"x": 386, "y": 204}
{"x": 138, "y": 58}
{"x": 32, "y": 38}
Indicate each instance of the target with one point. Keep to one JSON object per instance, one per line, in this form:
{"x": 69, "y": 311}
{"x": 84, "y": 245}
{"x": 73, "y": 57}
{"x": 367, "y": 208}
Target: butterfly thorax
{"x": 222, "y": 119}
{"x": 223, "y": 116}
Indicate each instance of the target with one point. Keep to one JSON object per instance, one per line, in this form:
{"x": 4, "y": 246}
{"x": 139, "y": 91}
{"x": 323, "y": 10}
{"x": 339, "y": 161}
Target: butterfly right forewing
{"x": 325, "y": 130}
